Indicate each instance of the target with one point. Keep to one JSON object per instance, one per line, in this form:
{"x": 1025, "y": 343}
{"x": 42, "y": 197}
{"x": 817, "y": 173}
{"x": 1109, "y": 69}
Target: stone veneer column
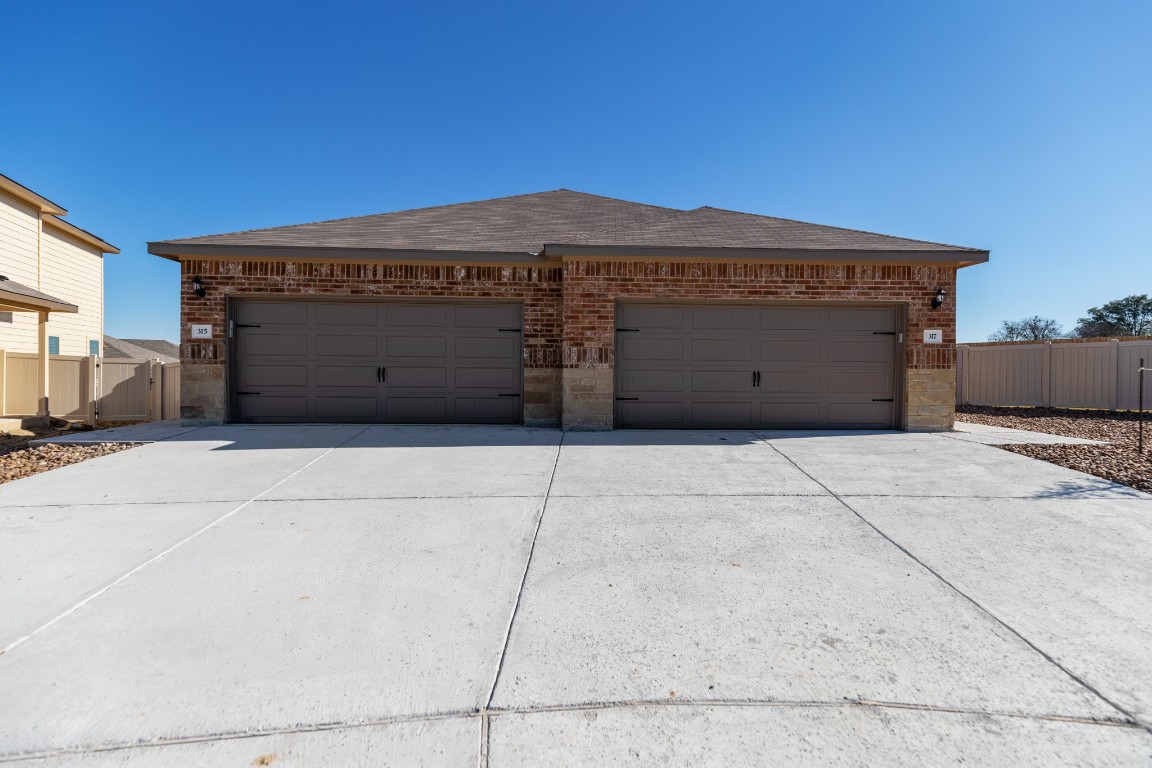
{"x": 930, "y": 400}
{"x": 203, "y": 396}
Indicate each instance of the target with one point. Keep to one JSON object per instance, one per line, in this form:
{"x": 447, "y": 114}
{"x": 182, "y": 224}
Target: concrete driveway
{"x": 470, "y": 596}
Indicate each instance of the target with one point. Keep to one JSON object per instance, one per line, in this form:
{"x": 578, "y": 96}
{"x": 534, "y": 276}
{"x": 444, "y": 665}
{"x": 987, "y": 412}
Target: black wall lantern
{"x": 937, "y": 300}
{"x": 198, "y": 287}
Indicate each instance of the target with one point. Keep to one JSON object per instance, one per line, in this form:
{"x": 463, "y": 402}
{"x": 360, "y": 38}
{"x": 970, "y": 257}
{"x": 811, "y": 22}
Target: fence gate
{"x": 125, "y": 388}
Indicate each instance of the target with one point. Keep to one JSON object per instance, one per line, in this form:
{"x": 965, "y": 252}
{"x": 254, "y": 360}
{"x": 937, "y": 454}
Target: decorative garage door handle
{"x": 756, "y": 378}
{"x": 381, "y": 375}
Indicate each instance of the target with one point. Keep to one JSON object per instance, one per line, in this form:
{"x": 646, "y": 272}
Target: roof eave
{"x": 17, "y": 302}
{"x": 960, "y": 257}
{"x": 28, "y": 197}
{"x": 82, "y": 235}
{"x": 176, "y": 251}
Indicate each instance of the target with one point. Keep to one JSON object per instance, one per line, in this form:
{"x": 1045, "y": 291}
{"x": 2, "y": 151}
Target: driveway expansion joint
{"x": 485, "y": 716}
{"x": 1130, "y": 718}
{"x": 484, "y": 710}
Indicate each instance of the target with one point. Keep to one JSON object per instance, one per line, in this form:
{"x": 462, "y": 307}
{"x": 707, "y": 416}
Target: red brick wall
{"x": 537, "y": 287}
{"x": 591, "y": 289}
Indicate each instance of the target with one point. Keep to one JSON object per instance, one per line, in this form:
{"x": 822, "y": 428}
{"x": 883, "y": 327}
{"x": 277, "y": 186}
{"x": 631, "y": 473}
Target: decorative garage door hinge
{"x": 627, "y": 330}
{"x": 883, "y": 400}
{"x": 627, "y": 398}
{"x": 247, "y": 393}
{"x": 508, "y": 330}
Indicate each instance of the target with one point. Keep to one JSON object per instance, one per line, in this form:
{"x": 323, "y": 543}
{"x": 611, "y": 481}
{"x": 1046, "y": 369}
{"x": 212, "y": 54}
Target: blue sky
{"x": 1018, "y": 126}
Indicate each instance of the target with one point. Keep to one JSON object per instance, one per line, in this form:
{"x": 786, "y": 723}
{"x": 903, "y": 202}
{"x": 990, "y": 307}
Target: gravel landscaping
{"x": 1118, "y": 461}
{"x": 18, "y": 460}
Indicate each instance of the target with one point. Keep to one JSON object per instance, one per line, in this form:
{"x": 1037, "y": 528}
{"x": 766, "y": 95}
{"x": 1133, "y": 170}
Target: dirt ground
{"x": 1118, "y": 461}
{"x": 18, "y": 459}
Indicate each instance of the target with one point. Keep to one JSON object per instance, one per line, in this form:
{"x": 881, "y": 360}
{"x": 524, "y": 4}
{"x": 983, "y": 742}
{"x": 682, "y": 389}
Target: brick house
{"x": 567, "y": 308}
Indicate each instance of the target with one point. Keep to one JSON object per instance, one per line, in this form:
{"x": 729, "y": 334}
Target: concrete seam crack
{"x": 516, "y": 604}
{"x": 1131, "y": 719}
{"x": 486, "y": 716}
{"x": 155, "y": 558}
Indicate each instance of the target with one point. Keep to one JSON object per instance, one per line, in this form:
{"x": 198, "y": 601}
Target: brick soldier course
{"x": 568, "y": 258}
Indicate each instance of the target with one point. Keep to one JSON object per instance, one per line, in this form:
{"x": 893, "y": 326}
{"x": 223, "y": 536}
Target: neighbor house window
{"x": 93, "y": 347}
{"x": 53, "y": 345}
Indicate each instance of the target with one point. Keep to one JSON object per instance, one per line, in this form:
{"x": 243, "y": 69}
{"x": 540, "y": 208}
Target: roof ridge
{"x": 409, "y": 210}
{"x": 842, "y": 229}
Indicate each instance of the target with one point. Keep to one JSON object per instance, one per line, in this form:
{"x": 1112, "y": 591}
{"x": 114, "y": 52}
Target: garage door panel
{"x": 861, "y": 414}
{"x": 274, "y": 407}
{"x": 876, "y": 383}
{"x": 350, "y": 313}
{"x": 783, "y": 319}
{"x": 488, "y": 318}
{"x": 867, "y": 350}
{"x": 651, "y": 317}
{"x": 331, "y": 345}
{"x": 790, "y": 351}
{"x": 794, "y": 414}
{"x": 275, "y": 345}
{"x": 651, "y": 414}
{"x": 485, "y": 378}
{"x": 416, "y": 376}
{"x": 495, "y": 409}
{"x": 273, "y": 376}
{"x": 345, "y": 376}
{"x": 705, "y": 413}
{"x": 861, "y": 319}
{"x": 753, "y": 367}
{"x": 725, "y": 318}
{"x": 416, "y": 316}
{"x": 346, "y": 408}
{"x": 378, "y": 361}
{"x": 492, "y": 348}
{"x": 651, "y": 349}
{"x": 401, "y": 408}
{"x": 722, "y": 350}
{"x": 652, "y": 381}
{"x": 791, "y": 382}
{"x": 416, "y": 346}
{"x": 272, "y": 313}
{"x": 721, "y": 381}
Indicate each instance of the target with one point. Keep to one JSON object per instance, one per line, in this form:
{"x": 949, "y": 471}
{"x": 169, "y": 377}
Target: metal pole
{"x": 1140, "y": 450}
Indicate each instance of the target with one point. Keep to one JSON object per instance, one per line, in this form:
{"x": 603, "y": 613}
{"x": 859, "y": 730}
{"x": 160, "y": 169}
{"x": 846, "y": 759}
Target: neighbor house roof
{"x": 141, "y": 349}
{"x": 549, "y": 225}
{"x": 14, "y": 296}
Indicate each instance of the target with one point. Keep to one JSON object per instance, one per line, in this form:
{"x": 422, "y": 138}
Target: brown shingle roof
{"x": 558, "y": 222}
{"x": 519, "y": 224}
{"x": 22, "y": 294}
{"x": 709, "y": 227}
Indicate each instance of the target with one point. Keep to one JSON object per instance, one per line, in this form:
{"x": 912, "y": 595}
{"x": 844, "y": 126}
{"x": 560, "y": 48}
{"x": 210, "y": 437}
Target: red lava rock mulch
{"x": 1118, "y": 461}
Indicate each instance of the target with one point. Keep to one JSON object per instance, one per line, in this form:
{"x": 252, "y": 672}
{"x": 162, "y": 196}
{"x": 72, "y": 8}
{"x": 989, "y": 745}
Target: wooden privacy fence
{"x": 91, "y": 389}
{"x": 1069, "y": 374}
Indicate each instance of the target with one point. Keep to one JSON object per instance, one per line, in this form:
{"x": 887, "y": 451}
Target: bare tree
{"x": 1033, "y": 328}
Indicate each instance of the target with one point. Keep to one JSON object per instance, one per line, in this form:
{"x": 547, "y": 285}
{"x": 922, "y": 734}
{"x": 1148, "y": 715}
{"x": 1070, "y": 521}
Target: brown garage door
{"x": 358, "y": 361}
{"x": 788, "y": 367}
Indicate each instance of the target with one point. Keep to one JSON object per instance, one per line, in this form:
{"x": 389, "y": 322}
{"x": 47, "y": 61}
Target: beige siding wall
{"x": 75, "y": 273}
{"x": 19, "y": 248}
{"x": 39, "y": 257}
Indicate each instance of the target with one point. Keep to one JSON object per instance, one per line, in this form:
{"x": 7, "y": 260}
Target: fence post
{"x": 155, "y": 390}
{"x": 91, "y": 394}
{"x": 1046, "y": 375}
{"x": 961, "y": 374}
{"x": 1112, "y": 371}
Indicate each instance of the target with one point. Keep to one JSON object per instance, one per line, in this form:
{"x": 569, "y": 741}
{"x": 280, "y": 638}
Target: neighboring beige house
{"x": 52, "y": 291}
